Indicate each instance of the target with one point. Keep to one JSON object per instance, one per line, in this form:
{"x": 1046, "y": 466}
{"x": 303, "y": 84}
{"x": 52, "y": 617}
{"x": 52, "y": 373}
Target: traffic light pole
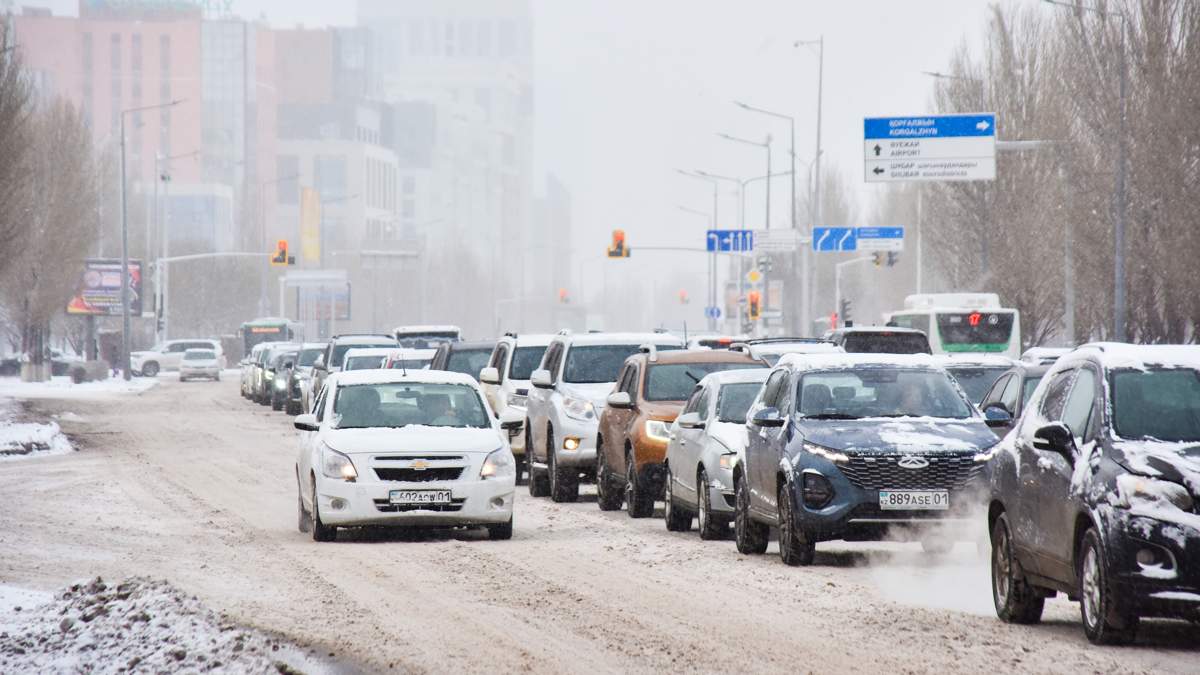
{"x": 837, "y": 278}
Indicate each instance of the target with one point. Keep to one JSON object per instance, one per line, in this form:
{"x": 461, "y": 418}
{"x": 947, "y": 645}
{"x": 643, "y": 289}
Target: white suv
{"x": 169, "y": 354}
{"x": 563, "y": 410}
{"x": 505, "y": 381}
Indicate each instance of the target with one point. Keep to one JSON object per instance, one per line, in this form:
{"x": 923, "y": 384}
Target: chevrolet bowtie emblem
{"x": 420, "y": 465}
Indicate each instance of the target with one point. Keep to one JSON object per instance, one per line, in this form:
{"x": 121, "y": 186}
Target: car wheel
{"x": 608, "y": 496}
{"x": 678, "y": 518}
{"x": 1015, "y": 600}
{"x": 302, "y": 519}
{"x": 1108, "y": 617}
{"x": 519, "y": 467}
{"x": 500, "y": 532}
{"x": 750, "y": 536}
{"x": 709, "y": 527}
{"x": 320, "y": 531}
{"x": 149, "y": 369}
{"x": 276, "y": 404}
{"x": 539, "y": 482}
{"x": 217, "y": 377}
{"x": 639, "y": 501}
{"x": 182, "y": 378}
{"x": 564, "y": 481}
{"x": 795, "y": 546}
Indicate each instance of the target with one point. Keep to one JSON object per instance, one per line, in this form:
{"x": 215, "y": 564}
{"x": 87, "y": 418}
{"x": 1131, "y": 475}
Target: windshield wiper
{"x": 831, "y": 416}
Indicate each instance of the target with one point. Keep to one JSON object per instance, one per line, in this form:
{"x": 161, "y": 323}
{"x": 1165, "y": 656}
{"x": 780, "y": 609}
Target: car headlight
{"x": 578, "y": 408}
{"x": 280, "y": 383}
{"x": 657, "y": 429}
{"x": 499, "y": 464}
{"x": 518, "y": 400}
{"x": 827, "y": 453}
{"x": 727, "y": 461}
{"x": 989, "y": 454}
{"x": 1143, "y": 491}
{"x": 336, "y": 465}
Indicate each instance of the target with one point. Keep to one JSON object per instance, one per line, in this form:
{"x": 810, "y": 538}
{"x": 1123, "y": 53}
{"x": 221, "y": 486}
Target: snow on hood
{"x": 917, "y": 434}
{"x": 1176, "y": 462}
{"x": 412, "y": 438}
{"x": 596, "y": 393}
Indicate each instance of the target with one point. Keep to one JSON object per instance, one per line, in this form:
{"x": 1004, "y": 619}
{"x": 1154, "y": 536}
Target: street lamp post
{"x": 716, "y": 295}
{"x": 810, "y": 299}
{"x": 126, "y": 325}
{"x": 712, "y": 259}
{"x": 162, "y": 217}
{"x": 766, "y": 144}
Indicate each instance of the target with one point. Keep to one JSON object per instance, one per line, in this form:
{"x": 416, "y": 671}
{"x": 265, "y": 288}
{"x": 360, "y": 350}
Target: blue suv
{"x": 857, "y": 446}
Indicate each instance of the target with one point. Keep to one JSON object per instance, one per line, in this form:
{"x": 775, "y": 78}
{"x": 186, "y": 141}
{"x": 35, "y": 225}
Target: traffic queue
{"x": 1079, "y": 469}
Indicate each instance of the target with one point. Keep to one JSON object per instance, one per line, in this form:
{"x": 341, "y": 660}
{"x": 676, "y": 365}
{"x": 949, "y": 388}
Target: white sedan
{"x": 403, "y": 448}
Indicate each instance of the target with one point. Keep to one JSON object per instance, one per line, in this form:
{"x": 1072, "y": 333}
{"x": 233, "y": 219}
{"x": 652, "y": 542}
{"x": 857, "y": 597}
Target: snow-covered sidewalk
{"x": 19, "y": 440}
{"x": 63, "y": 387}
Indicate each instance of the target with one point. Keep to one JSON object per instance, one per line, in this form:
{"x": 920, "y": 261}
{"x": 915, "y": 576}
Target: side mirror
{"x": 619, "y": 400}
{"x": 511, "y": 421}
{"x": 489, "y": 375}
{"x": 996, "y": 415}
{"x": 306, "y": 422}
{"x": 540, "y": 378}
{"x": 767, "y": 417}
{"x": 1056, "y": 437}
{"x": 690, "y": 421}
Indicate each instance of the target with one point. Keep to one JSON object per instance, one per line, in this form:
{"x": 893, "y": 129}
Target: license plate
{"x": 410, "y": 497}
{"x": 914, "y": 500}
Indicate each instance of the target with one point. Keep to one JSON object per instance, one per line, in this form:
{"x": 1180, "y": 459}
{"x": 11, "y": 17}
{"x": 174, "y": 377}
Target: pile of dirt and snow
{"x": 138, "y": 624}
{"x": 24, "y": 439}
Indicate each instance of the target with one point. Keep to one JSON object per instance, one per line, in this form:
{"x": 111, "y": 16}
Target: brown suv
{"x": 634, "y": 427}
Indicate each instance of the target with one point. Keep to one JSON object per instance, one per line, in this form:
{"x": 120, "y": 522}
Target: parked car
{"x": 249, "y": 366}
{"x": 858, "y": 447}
{"x": 199, "y": 363}
{"x": 565, "y": 401}
{"x": 713, "y": 341}
{"x": 335, "y": 351}
{"x": 631, "y": 444}
{"x": 708, "y": 439}
{"x": 280, "y": 371}
{"x": 168, "y": 355}
{"x": 398, "y": 448}
{"x": 770, "y": 350}
{"x": 299, "y": 377}
{"x": 366, "y": 358}
{"x": 1043, "y": 356}
{"x": 1096, "y": 496}
{"x": 407, "y": 358}
{"x": 880, "y": 340}
{"x": 426, "y": 337}
{"x": 505, "y": 383}
{"x": 1004, "y": 403}
{"x": 975, "y": 373}
{"x": 467, "y": 358}
{"x": 266, "y": 390}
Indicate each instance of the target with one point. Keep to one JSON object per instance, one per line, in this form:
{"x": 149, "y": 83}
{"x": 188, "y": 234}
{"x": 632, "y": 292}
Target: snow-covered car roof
{"x": 739, "y": 376}
{"x": 974, "y": 359}
{"x": 794, "y": 348}
{"x": 874, "y": 329}
{"x": 530, "y": 340}
{"x": 1043, "y": 355}
{"x": 838, "y": 361}
{"x": 409, "y": 353}
{"x": 199, "y": 349}
{"x": 362, "y": 339}
{"x": 369, "y": 351}
{"x": 623, "y": 339}
{"x": 314, "y": 345}
{"x": 1115, "y": 355}
{"x": 416, "y": 330}
{"x": 395, "y": 376}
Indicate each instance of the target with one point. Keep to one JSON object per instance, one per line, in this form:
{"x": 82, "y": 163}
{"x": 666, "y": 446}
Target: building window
{"x": 408, "y": 209}
{"x": 483, "y": 46}
{"x": 135, "y": 54}
{"x": 164, "y": 54}
{"x": 416, "y": 38}
{"x": 507, "y": 46}
{"x": 449, "y": 47}
{"x": 409, "y": 186}
{"x": 329, "y": 176}
{"x": 287, "y": 170}
{"x": 115, "y": 51}
{"x": 466, "y": 38}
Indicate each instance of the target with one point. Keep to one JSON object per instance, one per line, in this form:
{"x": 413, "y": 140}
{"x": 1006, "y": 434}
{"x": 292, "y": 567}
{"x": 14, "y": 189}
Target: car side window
{"x": 994, "y": 394}
{"x": 703, "y": 404}
{"x": 631, "y": 386}
{"x": 1056, "y": 395}
{"x": 693, "y": 400}
{"x": 1080, "y": 404}
{"x": 1011, "y": 395}
{"x": 553, "y": 356}
{"x": 319, "y": 408}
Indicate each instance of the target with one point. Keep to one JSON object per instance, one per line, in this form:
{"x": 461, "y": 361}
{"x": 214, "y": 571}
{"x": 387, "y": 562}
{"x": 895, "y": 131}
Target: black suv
{"x": 858, "y": 447}
{"x": 467, "y": 358}
{"x": 1096, "y": 492}
{"x": 880, "y": 340}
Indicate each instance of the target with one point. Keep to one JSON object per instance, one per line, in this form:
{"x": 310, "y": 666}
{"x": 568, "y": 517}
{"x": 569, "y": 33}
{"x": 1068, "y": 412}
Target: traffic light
{"x": 844, "y": 313}
{"x": 563, "y": 296}
{"x": 877, "y": 258}
{"x": 892, "y": 258}
{"x": 754, "y": 305}
{"x": 683, "y": 297}
{"x": 765, "y": 264}
{"x": 618, "y": 248}
{"x": 281, "y": 257}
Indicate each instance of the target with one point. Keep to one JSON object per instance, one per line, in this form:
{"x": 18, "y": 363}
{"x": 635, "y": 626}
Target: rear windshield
{"x": 886, "y": 343}
{"x": 468, "y": 361}
{"x": 411, "y": 364}
{"x": 675, "y": 381}
{"x": 309, "y": 356}
{"x": 339, "y": 351}
{"x": 199, "y": 355}
{"x": 364, "y": 362}
{"x": 594, "y": 364}
{"x": 524, "y": 361}
{"x": 734, "y": 400}
{"x": 976, "y": 380}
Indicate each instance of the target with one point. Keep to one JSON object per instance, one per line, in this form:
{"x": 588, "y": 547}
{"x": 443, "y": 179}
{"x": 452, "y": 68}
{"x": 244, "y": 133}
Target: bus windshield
{"x": 975, "y": 331}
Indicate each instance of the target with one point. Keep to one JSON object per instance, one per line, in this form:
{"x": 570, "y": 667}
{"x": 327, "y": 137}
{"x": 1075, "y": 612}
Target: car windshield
{"x": 880, "y": 392}
{"x": 468, "y": 361}
{"x": 524, "y": 361}
{"x": 734, "y": 400}
{"x": 885, "y": 342}
{"x": 1028, "y": 386}
{"x": 1157, "y": 404}
{"x": 675, "y": 381}
{"x": 339, "y": 351}
{"x": 402, "y": 404}
{"x": 976, "y": 380}
{"x": 593, "y": 364}
{"x": 309, "y": 357}
{"x": 363, "y": 362}
{"x": 411, "y": 364}
{"x": 277, "y": 361}
{"x": 199, "y": 355}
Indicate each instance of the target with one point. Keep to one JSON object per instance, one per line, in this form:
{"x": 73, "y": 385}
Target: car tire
{"x": 709, "y": 527}
{"x": 750, "y": 536}
{"x": 1108, "y": 616}
{"x": 519, "y": 466}
{"x": 564, "y": 481}
{"x": 678, "y": 518}
{"x": 609, "y": 497}
{"x": 217, "y": 377}
{"x": 320, "y": 531}
{"x": 638, "y": 500}
{"x": 150, "y": 369}
{"x": 501, "y": 532}
{"x": 303, "y": 523}
{"x": 1015, "y": 599}
{"x": 276, "y": 404}
{"x": 795, "y": 546}
{"x": 539, "y": 482}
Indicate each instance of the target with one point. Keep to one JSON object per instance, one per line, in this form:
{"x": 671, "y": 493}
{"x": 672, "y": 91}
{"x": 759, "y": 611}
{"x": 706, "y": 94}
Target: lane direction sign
{"x": 729, "y": 241}
{"x": 930, "y": 148}
{"x": 834, "y": 239}
{"x": 778, "y": 240}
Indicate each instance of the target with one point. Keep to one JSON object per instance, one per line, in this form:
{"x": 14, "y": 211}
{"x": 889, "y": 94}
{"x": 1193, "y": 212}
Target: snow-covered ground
{"x": 20, "y": 440}
{"x": 138, "y": 624}
{"x": 63, "y": 387}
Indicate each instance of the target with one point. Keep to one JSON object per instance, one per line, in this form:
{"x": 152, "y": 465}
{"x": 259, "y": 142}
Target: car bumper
{"x": 214, "y": 371}
{"x": 581, "y": 432}
{"x": 1169, "y": 588}
{"x": 481, "y": 502}
{"x": 720, "y": 491}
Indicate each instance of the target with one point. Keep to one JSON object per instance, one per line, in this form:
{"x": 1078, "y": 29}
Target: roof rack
{"x": 382, "y": 335}
{"x": 511, "y": 334}
{"x": 649, "y": 349}
{"x": 565, "y": 331}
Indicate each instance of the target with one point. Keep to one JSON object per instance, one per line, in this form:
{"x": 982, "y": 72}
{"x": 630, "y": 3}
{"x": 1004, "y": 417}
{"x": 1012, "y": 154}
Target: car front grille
{"x": 410, "y": 475}
{"x": 385, "y": 506}
{"x": 880, "y": 471}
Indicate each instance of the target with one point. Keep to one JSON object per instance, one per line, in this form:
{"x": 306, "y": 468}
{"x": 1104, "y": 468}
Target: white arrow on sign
{"x": 982, "y": 125}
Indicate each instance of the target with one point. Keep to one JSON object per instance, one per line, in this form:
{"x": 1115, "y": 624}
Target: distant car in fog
{"x": 366, "y": 358}
{"x": 880, "y": 340}
{"x": 426, "y": 337}
{"x": 300, "y": 377}
{"x": 467, "y": 358}
{"x": 409, "y": 359}
{"x": 505, "y": 383}
{"x": 770, "y": 350}
{"x": 975, "y": 373}
{"x": 335, "y": 352}
{"x": 168, "y": 355}
{"x": 200, "y": 363}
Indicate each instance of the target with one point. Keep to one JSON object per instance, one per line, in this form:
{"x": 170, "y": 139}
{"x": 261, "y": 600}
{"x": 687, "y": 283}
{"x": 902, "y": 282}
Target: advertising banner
{"x": 99, "y": 291}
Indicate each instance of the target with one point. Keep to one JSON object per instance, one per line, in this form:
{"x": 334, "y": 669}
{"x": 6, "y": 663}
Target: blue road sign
{"x": 712, "y": 312}
{"x": 929, "y": 126}
{"x": 729, "y": 241}
{"x": 834, "y": 239}
{"x": 880, "y": 238}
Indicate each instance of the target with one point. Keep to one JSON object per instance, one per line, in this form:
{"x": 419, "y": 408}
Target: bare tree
{"x": 15, "y": 110}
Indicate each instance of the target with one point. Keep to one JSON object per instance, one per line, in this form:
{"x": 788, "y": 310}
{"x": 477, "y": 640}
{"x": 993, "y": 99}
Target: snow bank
{"x": 137, "y": 625}
{"x": 20, "y": 440}
{"x": 63, "y": 387}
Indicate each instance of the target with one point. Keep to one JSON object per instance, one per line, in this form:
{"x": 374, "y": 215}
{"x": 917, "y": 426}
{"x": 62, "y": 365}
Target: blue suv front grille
{"x": 879, "y": 471}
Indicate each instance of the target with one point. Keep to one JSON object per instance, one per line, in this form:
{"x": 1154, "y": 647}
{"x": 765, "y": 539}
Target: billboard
{"x": 99, "y": 290}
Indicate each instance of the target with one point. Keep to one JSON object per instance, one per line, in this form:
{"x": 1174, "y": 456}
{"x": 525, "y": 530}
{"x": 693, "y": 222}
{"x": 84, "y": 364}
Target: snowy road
{"x": 191, "y": 483}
